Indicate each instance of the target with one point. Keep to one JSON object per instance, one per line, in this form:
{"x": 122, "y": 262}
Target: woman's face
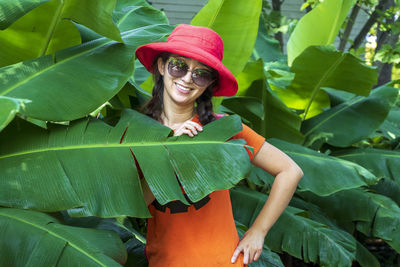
{"x": 183, "y": 90}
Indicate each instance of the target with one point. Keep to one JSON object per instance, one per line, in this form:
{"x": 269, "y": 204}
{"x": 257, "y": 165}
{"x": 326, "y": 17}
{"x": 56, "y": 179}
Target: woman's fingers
{"x": 236, "y": 254}
{"x": 188, "y": 127}
{"x": 257, "y": 255}
{"x": 246, "y": 257}
{"x": 196, "y": 125}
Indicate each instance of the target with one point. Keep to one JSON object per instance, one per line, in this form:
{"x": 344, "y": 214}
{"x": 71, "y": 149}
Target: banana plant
{"x": 49, "y": 27}
{"x": 38, "y": 239}
{"x": 318, "y": 27}
{"x": 53, "y": 170}
{"x": 61, "y": 87}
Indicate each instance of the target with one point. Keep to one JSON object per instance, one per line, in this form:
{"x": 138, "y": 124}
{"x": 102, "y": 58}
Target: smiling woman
{"x": 188, "y": 71}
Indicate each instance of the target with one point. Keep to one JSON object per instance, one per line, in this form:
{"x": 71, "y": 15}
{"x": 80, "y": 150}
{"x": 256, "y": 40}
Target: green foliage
{"x": 353, "y": 120}
{"x": 321, "y": 66}
{"x": 46, "y": 242}
{"x": 53, "y": 159}
{"x": 320, "y": 111}
{"x": 319, "y": 27}
{"x": 49, "y": 28}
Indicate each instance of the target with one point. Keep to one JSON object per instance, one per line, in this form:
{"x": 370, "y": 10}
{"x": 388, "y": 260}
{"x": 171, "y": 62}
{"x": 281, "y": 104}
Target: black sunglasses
{"x": 178, "y": 68}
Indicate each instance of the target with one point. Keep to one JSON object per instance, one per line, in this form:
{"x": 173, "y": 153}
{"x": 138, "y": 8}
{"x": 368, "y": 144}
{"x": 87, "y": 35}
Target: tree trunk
{"x": 276, "y": 7}
{"x": 349, "y": 27}
{"x": 386, "y": 37}
{"x": 370, "y": 22}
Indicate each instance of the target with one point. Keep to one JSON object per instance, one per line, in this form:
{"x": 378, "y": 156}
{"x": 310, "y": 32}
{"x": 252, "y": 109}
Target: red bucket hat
{"x": 199, "y": 43}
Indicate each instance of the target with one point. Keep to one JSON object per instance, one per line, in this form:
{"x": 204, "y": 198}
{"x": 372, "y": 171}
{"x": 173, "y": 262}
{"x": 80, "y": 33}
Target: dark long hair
{"x": 155, "y": 106}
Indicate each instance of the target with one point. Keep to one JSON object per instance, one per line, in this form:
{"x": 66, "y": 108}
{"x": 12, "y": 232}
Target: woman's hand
{"x": 251, "y": 245}
{"x": 189, "y": 127}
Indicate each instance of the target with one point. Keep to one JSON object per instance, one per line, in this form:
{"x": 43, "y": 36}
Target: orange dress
{"x": 202, "y": 234}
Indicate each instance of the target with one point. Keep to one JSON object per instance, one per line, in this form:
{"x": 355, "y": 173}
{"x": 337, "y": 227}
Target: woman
{"x": 188, "y": 71}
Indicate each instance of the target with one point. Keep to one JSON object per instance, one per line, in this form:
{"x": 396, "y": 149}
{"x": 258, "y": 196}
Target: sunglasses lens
{"x": 177, "y": 68}
{"x": 202, "y": 77}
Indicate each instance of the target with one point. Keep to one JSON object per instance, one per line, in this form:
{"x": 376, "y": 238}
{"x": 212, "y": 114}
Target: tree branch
{"x": 367, "y": 26}
{"x": 349, "y": 27}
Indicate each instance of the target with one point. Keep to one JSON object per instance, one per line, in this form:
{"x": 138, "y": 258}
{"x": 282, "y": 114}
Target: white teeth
{"x": 183, "y": 88}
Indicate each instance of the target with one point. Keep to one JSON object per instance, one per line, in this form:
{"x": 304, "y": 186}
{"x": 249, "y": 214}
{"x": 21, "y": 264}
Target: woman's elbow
{"x": 296, "y": 171}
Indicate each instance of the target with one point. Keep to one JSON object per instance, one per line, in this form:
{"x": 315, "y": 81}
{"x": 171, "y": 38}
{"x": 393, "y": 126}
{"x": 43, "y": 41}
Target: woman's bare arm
{"x": 287, "y": 175}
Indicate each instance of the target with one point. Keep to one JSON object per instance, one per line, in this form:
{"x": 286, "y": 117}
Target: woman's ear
{"x": 160, "y": 65}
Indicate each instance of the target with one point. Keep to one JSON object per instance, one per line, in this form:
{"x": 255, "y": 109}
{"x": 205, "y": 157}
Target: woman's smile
{"x": 183, "y": 89}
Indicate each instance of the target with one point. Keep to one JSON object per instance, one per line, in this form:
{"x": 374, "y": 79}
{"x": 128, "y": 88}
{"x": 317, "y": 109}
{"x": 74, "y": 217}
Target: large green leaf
{"x": 280, "y": 121}
{"x": 374, "y": 215}
{"x": 10, "y": 11}
{"x": 353, "y": 120}
{"x": 135, "y": 14}
{"x": 318, "y": 27}
{"x": 323, "y": 174}
{"x": 237, "y": 24}
{"x": 89, "y": 165}
{"x": 79, "y": 79}
{"x": 299, "y": 236}
{"x": 9, "y": 107}
{"x": 383, "y": 163}
{"x": 323, "y": 66}
{"x": 49, "y": 28}
{"x": 31, "y": 238}
{"x": 267, "y": 114}
{"x": 363, "y": 255}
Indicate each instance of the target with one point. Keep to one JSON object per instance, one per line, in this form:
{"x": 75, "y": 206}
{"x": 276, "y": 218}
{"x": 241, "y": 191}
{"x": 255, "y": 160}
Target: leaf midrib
{"x": 373, "y": 153}
{"x": 94, "y": 146}
{"x": 349, "y": 105}
{"x": 324, "y": 77}
{"x": 69, "y": 242}
{"x": 30, "y": 77}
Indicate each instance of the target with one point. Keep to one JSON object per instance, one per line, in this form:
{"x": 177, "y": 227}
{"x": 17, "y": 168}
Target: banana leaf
{"x": 318, "y": 27}
{"x": 353, "y": 120}
{"x": 280, "y": 121}
{"x": 292, "y": 233}
{"x": 363, "y": 256}
{"x": 322, "y": 66}
{"x": 237, "y": 24}
{"x": 31, "y": 238}
{"x": 272, "y": 119}
{"x": 374, "y": 215}
{"x": 79, "y": 79}
{"x": 381, "y": 162}
{"x": 89, "y": 167}
{"x": 323, "y": 174}
{"x": 10, "y": 11}
{"x": 9, "y": 107}
{"x": 137, "y": 14}
{"x": 49, "y": 28}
